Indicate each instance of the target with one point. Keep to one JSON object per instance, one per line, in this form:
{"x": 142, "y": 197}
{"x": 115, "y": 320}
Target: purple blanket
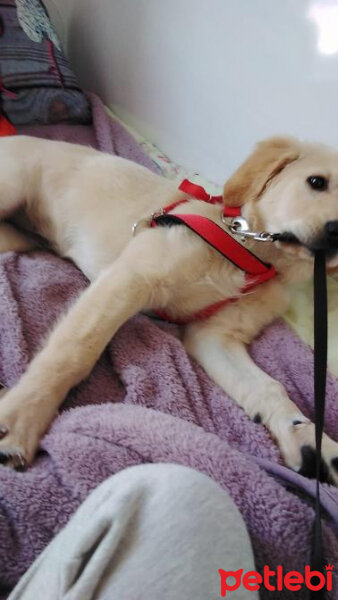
{"x": 147, "y": 401}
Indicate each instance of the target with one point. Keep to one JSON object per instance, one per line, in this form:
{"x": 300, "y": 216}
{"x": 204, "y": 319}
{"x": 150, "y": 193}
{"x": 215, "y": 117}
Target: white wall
{"x": 206, "y": 79}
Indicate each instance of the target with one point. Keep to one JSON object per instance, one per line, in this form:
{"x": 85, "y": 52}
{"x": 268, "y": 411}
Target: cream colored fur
{"x": 85, "y": 202}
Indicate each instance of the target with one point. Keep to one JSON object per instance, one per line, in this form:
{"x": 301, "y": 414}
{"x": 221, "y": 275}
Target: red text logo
{"x": 275, "y": 580}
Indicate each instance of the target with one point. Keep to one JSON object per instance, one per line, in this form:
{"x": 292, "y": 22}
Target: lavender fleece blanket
{"x": 147, "y": 401}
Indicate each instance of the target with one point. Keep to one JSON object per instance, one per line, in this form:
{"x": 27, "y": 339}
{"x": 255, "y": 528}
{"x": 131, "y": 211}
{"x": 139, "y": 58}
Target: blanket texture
{"x": 147, "y": 401}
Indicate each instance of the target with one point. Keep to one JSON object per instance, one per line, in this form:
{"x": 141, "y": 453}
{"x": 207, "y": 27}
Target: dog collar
{"x": 256, "y": 271}
{"x": 199, "y": 193}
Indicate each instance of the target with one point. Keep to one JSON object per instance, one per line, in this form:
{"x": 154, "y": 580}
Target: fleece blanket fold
{"x": 146, "y": 400}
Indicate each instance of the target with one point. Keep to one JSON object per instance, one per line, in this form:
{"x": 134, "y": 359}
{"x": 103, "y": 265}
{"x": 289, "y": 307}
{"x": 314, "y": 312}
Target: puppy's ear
{"x": 268, "y": 159}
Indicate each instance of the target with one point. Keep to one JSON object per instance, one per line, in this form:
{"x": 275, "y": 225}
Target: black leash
{"x": 320, "y": 366}
{"x": 320, "y": 371}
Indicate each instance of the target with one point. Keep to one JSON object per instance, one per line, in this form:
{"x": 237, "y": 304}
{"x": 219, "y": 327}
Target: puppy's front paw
{"x": 329, "y": 461}
{"x": 17, "y": 449}
{"x": 296, "y": 438}
{"x": 12, "y": 455}
{"x": 18, "y": 435}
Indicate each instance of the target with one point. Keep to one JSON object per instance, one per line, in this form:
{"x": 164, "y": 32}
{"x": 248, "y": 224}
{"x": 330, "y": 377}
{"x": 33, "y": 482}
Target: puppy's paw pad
{"x": 295, "y": 435}
{"x": 308, "y": 466}
{"x": 13, "y": 457}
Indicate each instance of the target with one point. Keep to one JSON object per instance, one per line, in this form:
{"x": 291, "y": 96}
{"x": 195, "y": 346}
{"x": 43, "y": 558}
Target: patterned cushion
{"x": 36, "y": 81}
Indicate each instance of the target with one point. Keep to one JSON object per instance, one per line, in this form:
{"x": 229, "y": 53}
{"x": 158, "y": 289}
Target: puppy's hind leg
{"x": 13, "y": 240}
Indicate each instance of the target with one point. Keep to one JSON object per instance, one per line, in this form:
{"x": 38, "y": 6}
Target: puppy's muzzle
{"x": 327, "y": 241}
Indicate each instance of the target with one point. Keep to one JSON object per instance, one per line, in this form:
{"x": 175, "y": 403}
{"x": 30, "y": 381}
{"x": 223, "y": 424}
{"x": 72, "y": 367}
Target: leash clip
{"x": 239, "y": 226}
{"x": 146, "y": 221}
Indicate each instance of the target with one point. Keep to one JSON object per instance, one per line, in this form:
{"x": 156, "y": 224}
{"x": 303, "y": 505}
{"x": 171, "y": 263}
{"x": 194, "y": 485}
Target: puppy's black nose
{"x": 331, "y": 231}
{"x": 328, "y": 241}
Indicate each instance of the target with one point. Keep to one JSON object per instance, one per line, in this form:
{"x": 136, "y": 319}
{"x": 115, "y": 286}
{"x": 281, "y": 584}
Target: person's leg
{"x": 151, "y": 531}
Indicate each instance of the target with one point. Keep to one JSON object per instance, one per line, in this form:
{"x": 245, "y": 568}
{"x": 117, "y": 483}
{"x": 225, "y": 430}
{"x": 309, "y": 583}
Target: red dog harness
{"x": 256, "y": 271}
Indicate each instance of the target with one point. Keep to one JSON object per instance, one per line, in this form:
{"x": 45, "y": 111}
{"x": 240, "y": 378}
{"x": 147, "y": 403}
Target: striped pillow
{"x": 36, "y": 81}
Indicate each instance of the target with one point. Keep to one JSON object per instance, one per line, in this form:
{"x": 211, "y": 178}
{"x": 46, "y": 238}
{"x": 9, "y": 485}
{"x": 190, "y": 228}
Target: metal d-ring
{"x": 146, "y": 221}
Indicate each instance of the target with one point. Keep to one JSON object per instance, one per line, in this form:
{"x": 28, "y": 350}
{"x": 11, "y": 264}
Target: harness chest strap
{"x": 256, "y": 271}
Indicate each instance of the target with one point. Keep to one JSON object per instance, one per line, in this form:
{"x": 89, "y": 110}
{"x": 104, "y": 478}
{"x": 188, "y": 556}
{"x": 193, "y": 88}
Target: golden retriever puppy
{"x": 85, "y": 202}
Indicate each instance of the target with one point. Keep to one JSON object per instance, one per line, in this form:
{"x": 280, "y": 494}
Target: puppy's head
{"x": 290, "y": 187}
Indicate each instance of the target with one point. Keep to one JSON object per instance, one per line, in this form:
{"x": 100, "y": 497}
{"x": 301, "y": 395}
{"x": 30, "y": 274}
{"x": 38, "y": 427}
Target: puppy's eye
{"x": 318, "y": 183}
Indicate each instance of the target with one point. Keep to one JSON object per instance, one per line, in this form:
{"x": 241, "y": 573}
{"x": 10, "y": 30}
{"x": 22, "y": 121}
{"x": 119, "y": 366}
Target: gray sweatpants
{"x": 150, "y": 532}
